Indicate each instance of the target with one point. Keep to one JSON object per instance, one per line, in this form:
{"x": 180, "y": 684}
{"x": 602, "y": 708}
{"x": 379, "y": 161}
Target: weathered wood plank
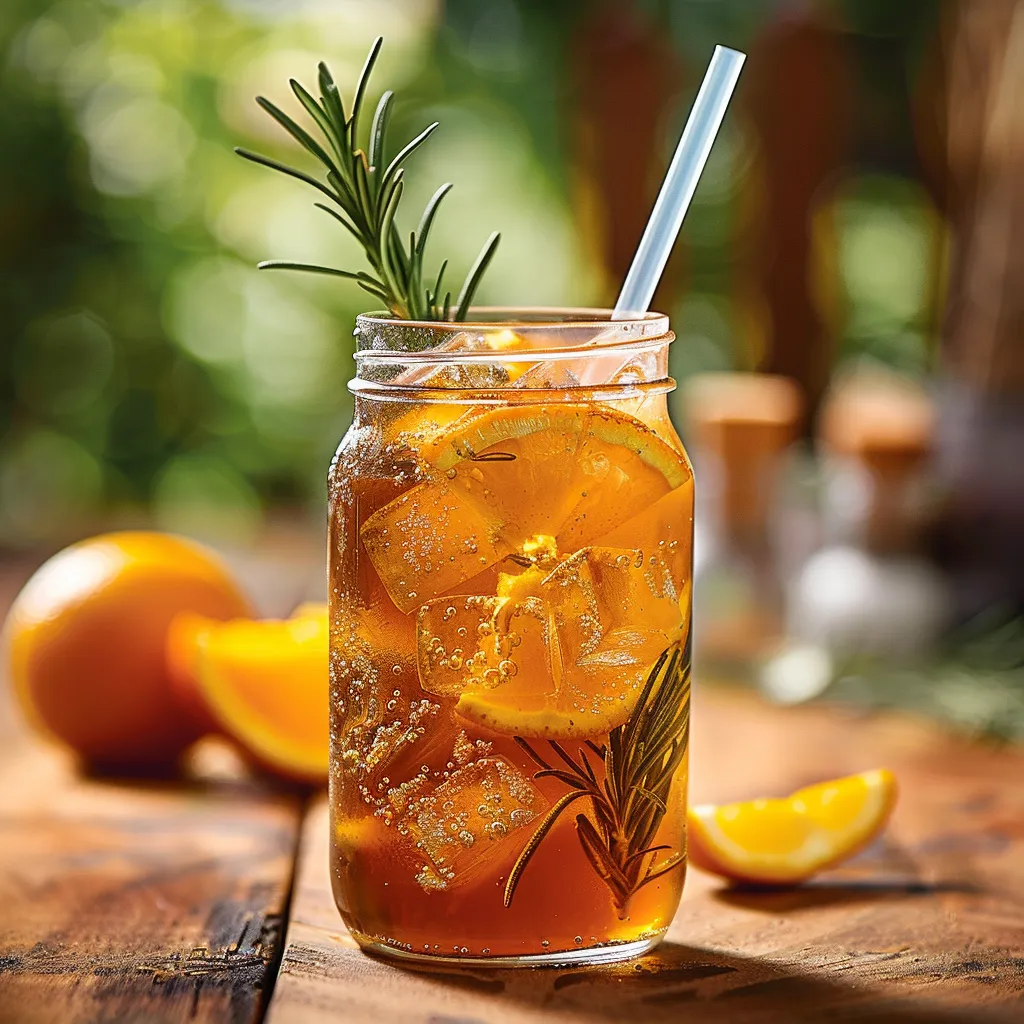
{"x": 927, "y": 926}
{"x": 138, "y": 902}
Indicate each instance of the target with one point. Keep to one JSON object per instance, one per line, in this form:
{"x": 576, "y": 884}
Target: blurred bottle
{"x": 740, "y": 427}
{"x": 870, "y": 591}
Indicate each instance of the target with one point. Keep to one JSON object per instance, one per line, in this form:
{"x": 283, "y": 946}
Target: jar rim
{"x": 440, "y": 355}
{"x": 476, "y": 396}
{"x": 557, "y": 318}
{"x": 570, "y": 348}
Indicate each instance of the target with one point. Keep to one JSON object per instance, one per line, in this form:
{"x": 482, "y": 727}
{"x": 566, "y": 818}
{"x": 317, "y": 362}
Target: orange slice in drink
{"x": 611, "y": 619}
{"x": 507, "y": 475}
{"x": 664, "y": 532}
{"x": 785, "y": 841}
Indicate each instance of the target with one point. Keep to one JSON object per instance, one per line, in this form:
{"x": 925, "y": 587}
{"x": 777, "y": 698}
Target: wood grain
{"x": 138, "y": 902}
{"x": 926, "y": 926}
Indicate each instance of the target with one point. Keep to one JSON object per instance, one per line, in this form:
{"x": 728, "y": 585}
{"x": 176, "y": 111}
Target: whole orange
{"x": 86, "y": 639}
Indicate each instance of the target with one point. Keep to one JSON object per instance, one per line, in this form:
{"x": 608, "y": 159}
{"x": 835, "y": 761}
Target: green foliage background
{"x": 147, "y": 371}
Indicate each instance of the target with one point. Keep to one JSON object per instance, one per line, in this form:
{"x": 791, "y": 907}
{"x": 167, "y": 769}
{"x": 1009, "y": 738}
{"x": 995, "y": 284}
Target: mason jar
{"x": 511, "y": 523}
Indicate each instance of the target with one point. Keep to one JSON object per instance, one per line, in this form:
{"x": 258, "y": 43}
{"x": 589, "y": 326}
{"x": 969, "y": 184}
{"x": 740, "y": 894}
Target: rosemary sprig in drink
{"x": 640, "y": 761}
{"x": 365, "y": 193}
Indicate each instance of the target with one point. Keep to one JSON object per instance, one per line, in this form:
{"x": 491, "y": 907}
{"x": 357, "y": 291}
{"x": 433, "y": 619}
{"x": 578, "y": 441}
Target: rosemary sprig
{"x": 629, "y": 803}
{"x": 367, "y": 192}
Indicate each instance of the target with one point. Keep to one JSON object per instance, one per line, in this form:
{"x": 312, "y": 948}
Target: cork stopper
{"x": 745, "y": 420}
{"x": 884, "y": 422}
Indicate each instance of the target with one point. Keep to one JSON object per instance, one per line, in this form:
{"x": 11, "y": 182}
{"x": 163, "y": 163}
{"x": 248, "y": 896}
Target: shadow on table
{"x": 212, "y": 766}
{"x": 821, "y": 893}
{"x": 698, "y": 986}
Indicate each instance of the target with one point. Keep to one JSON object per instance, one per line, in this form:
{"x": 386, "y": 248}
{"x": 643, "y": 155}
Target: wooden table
{"x": 210, "y": 901}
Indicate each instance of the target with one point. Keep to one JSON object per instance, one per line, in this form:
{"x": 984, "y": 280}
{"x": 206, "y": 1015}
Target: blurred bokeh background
{"x": 147, "y": 366}
{"x": 861, "y": 210}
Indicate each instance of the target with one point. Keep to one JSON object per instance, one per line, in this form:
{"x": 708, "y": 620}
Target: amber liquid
{"x": 431, "y": 809}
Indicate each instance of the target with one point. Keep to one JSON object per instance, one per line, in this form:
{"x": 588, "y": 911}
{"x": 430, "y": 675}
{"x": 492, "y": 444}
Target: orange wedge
{"x": 266, "y": 685}
{"x": 181, "y": 654}
{"x": 182, "y": 644}
{"x": 778, "y": 842}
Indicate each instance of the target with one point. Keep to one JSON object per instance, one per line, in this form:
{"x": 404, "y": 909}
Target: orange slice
{"x": 266, "y": 684}
{"x": 664, "y": 532}
{"x": 423, "y": 422}
{"x": 606, "y": 623}
{"x": 507, "y": 475}
{"x": 547, "y": 722}
{"x": 788, "y": 840}
{"x": 184, "y": 637}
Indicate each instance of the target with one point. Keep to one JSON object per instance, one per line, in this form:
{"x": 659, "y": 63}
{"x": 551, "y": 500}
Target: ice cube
{"x": 664, "y": 533}
{"x": 611, "y": 625}
{"x": 551, "y": 375}
{"x": 384, "y": 726}
{"x": 646, "y": 407}
{"x": 372, "y": 652}
{"x": 472, "y": 376}
{"x": 452, "y": 637}
{"x": 427, "y": 541}
{"x": 641, "y": 367}
{"x": 447, "y": 372}
{"x": 486, "y": 642}
{"x": 423, "y": 370}
{"x": 589, "y": 367}
{"x": 470, "y": 822}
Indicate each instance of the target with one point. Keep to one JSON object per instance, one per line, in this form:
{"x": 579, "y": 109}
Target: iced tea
{"x": 510, "y": 610}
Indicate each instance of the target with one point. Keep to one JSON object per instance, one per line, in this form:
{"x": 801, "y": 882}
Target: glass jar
{"x": 511, "y": 522}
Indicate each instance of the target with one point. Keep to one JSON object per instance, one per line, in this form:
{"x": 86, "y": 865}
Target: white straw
{"x": 680, "y": 183}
